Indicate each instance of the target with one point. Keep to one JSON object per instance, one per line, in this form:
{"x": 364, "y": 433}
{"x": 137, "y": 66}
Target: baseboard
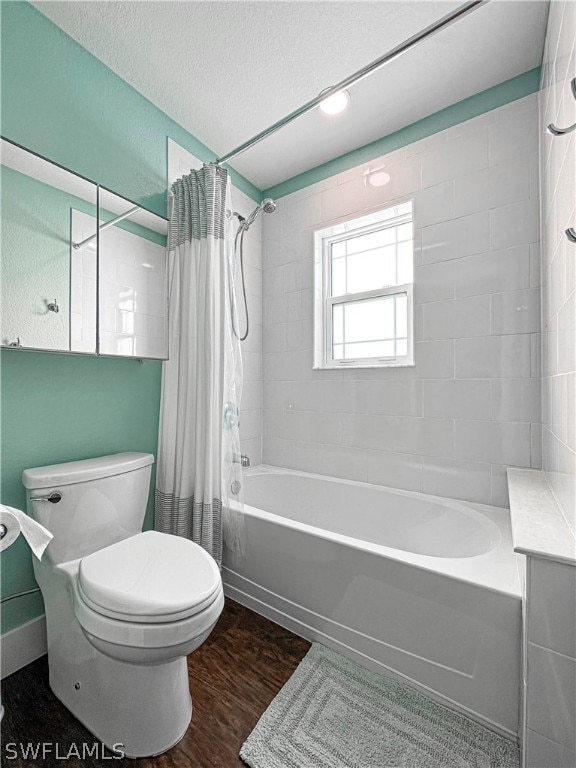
{"x": 23, "y": 645}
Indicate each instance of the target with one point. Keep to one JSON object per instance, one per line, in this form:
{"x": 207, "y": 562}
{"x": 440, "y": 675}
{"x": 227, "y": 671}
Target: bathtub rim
{"x": 445, "y": 566}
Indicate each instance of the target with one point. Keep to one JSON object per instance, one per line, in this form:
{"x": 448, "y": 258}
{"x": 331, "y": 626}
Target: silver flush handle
{"x": 54, "y": 498}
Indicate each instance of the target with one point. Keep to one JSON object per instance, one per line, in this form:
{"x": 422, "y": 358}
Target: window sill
{"x": 360, "y": 366}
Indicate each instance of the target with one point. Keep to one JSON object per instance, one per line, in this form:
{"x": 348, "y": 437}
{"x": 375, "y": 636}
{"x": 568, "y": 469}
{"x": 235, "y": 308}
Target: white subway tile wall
{"x": 251, "y": 405}
{"x": 558, "y": 212}
{"x": 470, "y": 406}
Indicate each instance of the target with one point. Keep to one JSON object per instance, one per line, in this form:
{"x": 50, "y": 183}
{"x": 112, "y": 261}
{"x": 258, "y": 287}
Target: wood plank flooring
{"x": 233, "y": 678}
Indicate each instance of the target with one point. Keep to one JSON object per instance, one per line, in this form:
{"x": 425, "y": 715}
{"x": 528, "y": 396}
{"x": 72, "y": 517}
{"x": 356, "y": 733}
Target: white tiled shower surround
{"x": 251, "y": 410}
{"x": 471, "y": 405}
{"x": 558, "y": 173}
{"x": 180, "y": 161}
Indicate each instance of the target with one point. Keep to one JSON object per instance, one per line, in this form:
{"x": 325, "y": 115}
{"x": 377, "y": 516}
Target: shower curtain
{"x": 198, "y": 474}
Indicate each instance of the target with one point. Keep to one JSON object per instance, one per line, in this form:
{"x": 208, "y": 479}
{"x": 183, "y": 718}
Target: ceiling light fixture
{"x": 336, "y": 103}
{"x": 378, "y": 178}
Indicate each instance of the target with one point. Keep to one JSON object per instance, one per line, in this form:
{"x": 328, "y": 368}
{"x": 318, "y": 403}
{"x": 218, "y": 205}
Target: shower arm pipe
{"x": 106, "y": 225}
{"x": 393, "y": 54}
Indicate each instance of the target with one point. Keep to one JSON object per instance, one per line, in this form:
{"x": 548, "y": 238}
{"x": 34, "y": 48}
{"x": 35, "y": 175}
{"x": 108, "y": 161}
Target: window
{"x": 364, "y": 287}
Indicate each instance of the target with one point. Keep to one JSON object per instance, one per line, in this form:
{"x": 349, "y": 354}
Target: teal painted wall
{"x": 59, "y": 408}
{"x": 60, "y": 101}
{"x": 492, "y": 98}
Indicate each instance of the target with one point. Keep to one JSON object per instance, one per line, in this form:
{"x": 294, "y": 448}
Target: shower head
{"x": 268, "y": 205}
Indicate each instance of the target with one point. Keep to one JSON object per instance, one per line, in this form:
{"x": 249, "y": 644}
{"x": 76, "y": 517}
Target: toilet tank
{"x": 102, "y": 501}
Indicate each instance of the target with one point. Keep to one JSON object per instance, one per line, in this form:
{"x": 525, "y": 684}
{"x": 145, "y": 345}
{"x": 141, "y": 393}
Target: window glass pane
{"x": 338, "y": 278}
{"x": 371, "y": 328}
{"x": 404, "y": 232}
{"x": 401, "y": 347}
{"x": 369, "y": 320}
{"x": 338, "y": 249}
{"x": 389, "y": 276}
{"x": 402, "y": 315}
{"x": 405, "y": 263}
{"x": 387, "y": 349}
{"x": 371, "y": 269}
{"x": 369, "y": 349}
{"x": 337, "y": 323}
{"x": 371, "y": 240}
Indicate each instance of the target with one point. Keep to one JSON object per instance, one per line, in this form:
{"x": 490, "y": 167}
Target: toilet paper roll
{"x": 18, "y": 522}
{"x": 10, "y": 522}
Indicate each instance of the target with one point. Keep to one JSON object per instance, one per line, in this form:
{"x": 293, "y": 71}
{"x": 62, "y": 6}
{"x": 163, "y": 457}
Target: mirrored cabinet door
{"x": 40, "y": 292}
{"x": 82, "y": 269}
{"x": 132, "y": 304}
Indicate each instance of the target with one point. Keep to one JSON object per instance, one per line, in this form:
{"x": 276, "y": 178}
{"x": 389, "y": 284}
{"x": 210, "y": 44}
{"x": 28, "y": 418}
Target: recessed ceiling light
{"x": 336, "y": 103}
{"x": 378, "y": 178}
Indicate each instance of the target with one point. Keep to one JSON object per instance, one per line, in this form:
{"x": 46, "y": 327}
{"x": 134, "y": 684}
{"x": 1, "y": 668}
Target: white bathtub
{"x": 423, "y": 588}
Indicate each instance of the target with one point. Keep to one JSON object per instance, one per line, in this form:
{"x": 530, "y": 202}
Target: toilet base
{"x": 139, "y": 709}
{"x": 133, "y": 710}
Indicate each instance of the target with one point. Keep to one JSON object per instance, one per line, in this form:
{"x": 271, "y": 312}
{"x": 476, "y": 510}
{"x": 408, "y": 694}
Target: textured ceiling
{"x": 226, "y": 70}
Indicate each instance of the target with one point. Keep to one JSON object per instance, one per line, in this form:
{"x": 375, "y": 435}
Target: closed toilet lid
{"x": 149, "y": 577}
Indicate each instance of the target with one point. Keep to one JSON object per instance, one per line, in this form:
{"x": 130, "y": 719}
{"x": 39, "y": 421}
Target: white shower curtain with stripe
{"x": 198, "y": 476}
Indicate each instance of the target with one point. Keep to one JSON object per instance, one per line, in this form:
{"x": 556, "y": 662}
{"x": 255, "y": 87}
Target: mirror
{"x": 38, "y": 202}
{"x": 132, "y": 303}
{"x": 67, "y": 286}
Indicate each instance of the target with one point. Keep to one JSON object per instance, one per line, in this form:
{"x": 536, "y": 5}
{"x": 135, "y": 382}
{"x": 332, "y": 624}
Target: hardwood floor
{"x": 233, "y": 678}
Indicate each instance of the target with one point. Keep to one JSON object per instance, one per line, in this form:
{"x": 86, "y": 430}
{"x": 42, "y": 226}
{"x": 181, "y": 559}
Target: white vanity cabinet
{"x": 541, "y": 534}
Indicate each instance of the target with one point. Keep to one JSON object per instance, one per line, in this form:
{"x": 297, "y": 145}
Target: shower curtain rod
{"x": 407, "y": 45}
{"x": 107, "y": 225}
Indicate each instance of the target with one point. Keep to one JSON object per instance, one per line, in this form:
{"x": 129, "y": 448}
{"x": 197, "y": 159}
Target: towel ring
{"x": 553, "y": 129}
{"x": 571, "y": 234}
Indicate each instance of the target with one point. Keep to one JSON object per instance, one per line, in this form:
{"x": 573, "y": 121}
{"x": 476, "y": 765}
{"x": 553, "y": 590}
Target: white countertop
{"x": 538, "y": 525}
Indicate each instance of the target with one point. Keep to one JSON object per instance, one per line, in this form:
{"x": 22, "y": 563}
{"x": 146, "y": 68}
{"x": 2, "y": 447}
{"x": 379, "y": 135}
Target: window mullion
{"x": 361, "y": 295}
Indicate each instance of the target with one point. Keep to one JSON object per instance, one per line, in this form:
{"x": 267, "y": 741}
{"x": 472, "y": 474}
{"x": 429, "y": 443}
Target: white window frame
{"x": 324, "y": 239}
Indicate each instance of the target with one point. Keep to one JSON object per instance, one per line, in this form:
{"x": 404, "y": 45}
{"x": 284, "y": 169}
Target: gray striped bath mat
{"x": 333, "y": 713}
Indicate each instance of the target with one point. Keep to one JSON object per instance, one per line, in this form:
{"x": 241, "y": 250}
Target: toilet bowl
{"x": 124, "y": 607}
{"x": 150, "y": 598}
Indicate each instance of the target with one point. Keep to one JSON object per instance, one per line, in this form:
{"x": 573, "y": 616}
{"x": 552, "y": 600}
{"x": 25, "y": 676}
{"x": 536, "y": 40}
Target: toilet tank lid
{"x": 82, "y": 471}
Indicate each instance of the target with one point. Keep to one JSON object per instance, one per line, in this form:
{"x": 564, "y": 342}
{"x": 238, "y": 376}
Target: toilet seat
{"x": 146, "y": 637}
{"x": 149, "y": 578}
{"x": 147, "y": 594}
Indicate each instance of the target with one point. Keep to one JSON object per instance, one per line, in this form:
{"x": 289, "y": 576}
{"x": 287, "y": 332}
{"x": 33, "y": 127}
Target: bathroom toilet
{"x": 123, "y": 607}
